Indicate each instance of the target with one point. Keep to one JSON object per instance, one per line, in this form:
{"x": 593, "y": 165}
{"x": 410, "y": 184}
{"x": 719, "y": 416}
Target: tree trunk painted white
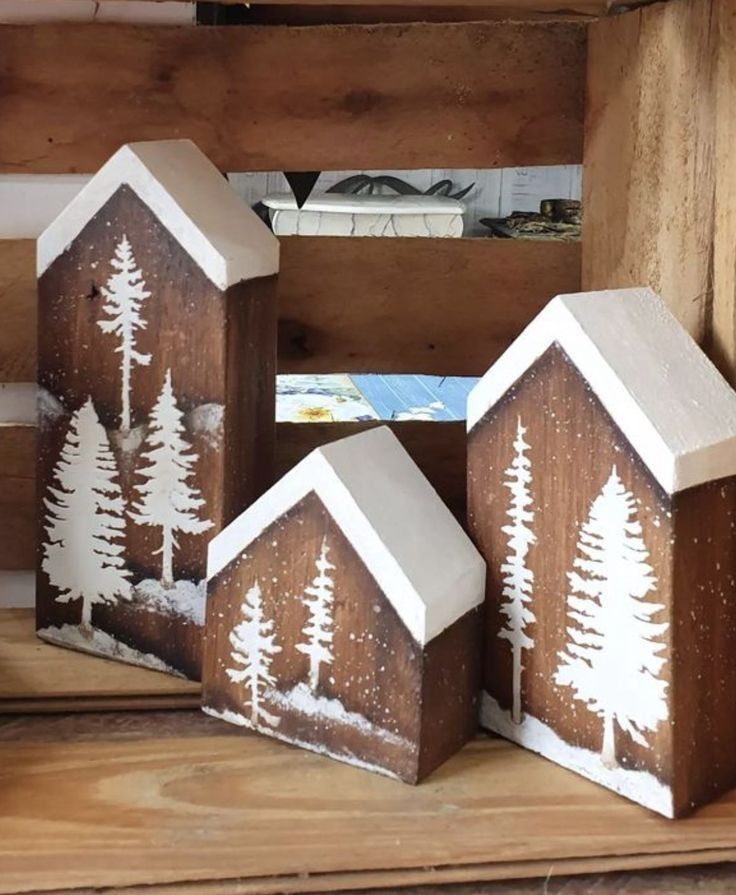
{"x": 516, "y": 685}
{"x": 167, "y": 557}
{"x": 125, "y": 390}
{"x": 608, "y": 750}
{"x": 518, "y": 578}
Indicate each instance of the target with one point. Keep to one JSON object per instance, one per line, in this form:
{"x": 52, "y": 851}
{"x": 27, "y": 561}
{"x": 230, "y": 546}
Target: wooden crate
{"x": 645, "y": 100}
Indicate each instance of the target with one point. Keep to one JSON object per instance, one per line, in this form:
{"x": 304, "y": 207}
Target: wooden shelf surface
{"x": 177, "y": 802}
{"x": 38, "y": 677}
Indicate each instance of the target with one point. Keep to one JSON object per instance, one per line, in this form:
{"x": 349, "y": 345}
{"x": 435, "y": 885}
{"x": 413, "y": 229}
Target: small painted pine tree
{"x": 612, "y": 660}
{"x": 518, "y": 578}
{"x": 254, "y": 646}
{"x": 319, "y": 598}
{"x": 85, "y": 525}
{"x": 167, "y": 499}
{"x": 124, "y": 295}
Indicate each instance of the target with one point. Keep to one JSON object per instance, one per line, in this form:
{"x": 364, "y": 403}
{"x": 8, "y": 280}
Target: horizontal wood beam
{"x": 437, "y": 448}
{"x": 441, "y": 306}
{"x": 269, "y": 98}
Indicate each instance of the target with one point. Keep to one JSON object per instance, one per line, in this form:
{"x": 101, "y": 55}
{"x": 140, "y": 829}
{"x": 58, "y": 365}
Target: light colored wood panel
{"x": 426, "y": 103}
{"x": 35, "y": 676}
{"x": 75, "y": 810}
{"x": 18, "y": 305}
{"x": 448, "y": 307}
{"x": 648, "y": 166}
{"x": 364, "y": 305}
{"x": 724, "y": 247}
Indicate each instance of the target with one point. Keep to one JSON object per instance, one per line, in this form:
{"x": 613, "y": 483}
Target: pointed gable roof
{"x": 409, "y": 541}
{"x": 663, "y": 393}
{"x": 192, "y": 200}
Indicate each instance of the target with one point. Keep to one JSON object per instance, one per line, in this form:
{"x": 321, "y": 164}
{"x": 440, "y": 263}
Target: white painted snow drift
{"x": 533, "y": 734}
{"x": 190, "y": 197}
{"x": 664, "y": 394}
{"x": 416, "y": 550}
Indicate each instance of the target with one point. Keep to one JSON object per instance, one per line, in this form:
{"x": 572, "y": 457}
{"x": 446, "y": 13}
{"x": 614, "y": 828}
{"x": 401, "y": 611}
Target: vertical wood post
{"x": 649, "y": 176}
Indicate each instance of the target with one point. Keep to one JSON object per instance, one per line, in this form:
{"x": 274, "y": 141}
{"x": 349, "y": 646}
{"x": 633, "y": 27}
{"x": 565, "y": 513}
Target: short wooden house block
{"x": 344, "y": 613}
{"x": 156, "y": 390}
{"x": 602, "y": 455}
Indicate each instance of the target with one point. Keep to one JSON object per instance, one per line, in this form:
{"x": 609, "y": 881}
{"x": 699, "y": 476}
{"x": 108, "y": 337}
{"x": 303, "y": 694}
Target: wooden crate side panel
{"x": 295, "y": 99}
{"x": 649, "y": 156}
{"x": 439, "y": 306}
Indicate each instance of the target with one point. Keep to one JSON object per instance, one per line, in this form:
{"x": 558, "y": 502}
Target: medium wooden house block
{"x": 344, "y": 613}
{"x": 602, "y": 456}
{"x": 156, "y": 400}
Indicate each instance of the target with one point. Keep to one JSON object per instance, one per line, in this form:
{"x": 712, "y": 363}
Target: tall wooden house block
{"x": 156, "y": 392}
{"x": 344, "y": 613}
{"x": 602, "y": 456}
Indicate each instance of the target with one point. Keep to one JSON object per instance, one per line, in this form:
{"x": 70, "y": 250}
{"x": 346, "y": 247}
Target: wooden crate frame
{"x": 654, "y": 134}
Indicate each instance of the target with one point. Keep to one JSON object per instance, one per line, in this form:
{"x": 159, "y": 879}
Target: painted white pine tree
{"x": 254, "y": 646}
{"x": 319, "y": 598}
{"x": 85, "y": 523}
{"x": 518, "y": 578}
{"x": 124, "y": 294}
{"x": 613, "y": 659}
{"x": 167, "y": 499}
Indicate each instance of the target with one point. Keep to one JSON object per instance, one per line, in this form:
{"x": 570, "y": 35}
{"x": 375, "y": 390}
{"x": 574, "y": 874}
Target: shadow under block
{"x": 611, "y": 618}
{"x": 331, "y": 628}
{"x": 156, "y": 408}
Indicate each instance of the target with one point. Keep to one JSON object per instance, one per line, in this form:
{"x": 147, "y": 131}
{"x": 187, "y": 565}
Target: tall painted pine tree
{"x": 612, "y": 660}
{"x": 85, "y": 523}
{"x": 518, "y": 578}
{"x": 167, "y": 499}
{"x": 124, "y": 295}
{"x": 254, "y": 647}
{"x": 319, "y": 598}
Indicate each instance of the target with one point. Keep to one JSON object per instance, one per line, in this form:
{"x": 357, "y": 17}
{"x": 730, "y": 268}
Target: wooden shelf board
{"x": 38, "y": 677}
{"x": 210, "y": 809}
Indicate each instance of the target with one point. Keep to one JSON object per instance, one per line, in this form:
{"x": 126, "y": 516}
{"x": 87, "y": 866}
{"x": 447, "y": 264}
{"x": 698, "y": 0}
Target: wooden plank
{"x": 37, "y": 677}
{"x": 83, "y": 798}
{"x": 438, "y": 449}
{"x": 648, "y": 166}
{"x": 723, "y": 335}
{"x": 17, "y": 497}
{"x": 447, "y": 307}
{"x": 18, "y": 303}
{"x": 427, "y": 103}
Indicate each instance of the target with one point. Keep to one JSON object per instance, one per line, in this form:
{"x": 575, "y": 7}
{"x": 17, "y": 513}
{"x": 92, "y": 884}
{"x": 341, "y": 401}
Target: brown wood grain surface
{"x": 36, "y": 676}
{"x": 199, "y": 802}
{"x": 438, "y": 449}
{"x": 396, "y": 96}
{"x": 649, "y": 156}
{"x": 447, "y": 306}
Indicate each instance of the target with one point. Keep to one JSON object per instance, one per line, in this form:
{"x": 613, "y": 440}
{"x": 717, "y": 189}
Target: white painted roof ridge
{"x": 662, "y": 391}
{"x": 407, "y": 538}
{"x": 190, "y": 197}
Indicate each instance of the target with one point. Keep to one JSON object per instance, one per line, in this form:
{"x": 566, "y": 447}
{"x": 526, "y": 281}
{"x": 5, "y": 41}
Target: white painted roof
{"x": 192, "y": 200}
{"x": 342, "y": 203}
{"x": 410, "y": 542}
{"x": 664, "y": 394}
